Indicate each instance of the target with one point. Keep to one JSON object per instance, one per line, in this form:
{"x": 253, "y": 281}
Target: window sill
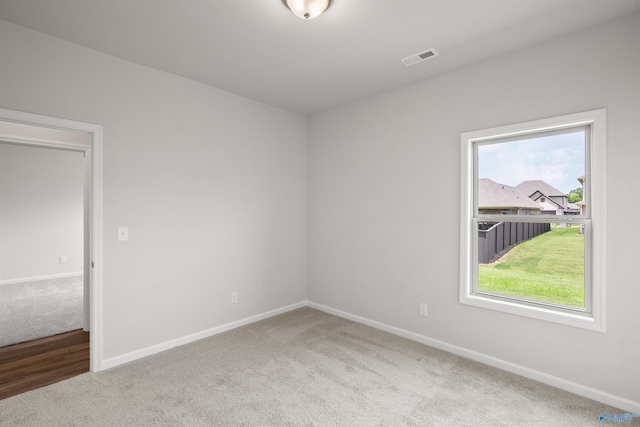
{"x": 580, "y": 320}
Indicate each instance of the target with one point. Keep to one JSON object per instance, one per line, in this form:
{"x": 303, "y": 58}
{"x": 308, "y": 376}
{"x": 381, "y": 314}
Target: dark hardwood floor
{"x": 33, "y": 364}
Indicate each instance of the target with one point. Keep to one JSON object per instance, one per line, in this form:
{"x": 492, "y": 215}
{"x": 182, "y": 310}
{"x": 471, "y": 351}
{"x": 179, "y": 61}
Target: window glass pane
{"x": 541, "y": 262}
{"x": 534, "y": 176}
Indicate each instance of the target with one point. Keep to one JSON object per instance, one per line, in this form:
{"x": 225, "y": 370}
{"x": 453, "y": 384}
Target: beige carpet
{"x": 303, "y": 368}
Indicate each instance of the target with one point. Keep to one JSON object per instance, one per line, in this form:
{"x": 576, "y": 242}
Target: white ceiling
{"x": 260, "y": 50}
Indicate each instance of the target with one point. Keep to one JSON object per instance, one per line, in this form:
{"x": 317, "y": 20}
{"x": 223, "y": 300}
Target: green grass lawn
{"x": 549, "y": 268}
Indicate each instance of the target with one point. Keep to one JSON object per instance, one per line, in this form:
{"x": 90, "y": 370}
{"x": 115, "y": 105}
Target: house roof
{"x": 494, "y": 195}
{"x": 530, "y": 187}
{"x": 549, "y": 203}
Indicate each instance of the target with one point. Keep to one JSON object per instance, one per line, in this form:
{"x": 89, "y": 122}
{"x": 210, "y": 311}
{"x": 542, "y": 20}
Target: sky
{"x": 558, "y": 160}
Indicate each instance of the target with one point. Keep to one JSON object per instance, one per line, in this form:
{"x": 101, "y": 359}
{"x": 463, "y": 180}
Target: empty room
{"x": 319, "y": 212}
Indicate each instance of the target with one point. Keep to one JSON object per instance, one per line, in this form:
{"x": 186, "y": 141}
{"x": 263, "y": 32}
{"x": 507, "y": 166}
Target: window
{"x": 525, "y": 254}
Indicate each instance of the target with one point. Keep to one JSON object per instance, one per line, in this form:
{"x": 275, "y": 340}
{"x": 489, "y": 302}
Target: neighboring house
{"x": 551, "y": 200}
{"x": 534, "y": 197}
{"x": 581, "y": 206}
{"x": 573, "y": 209}
{"x": 500, "y": 199}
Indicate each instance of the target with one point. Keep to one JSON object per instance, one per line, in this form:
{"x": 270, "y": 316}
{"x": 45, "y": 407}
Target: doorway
{"x": 84, "y": 139}
{"x": 42, "y": 286}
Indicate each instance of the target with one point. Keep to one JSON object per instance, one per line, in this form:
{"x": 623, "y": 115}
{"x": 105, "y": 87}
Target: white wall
{"x": 213, "y": 188}
{"x": 384, "y": 188}
{"x": 41, "y": 211}
{"x": 211, "y": 185}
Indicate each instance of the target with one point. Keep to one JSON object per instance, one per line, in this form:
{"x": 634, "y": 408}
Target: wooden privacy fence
{"x": 493, "y": 237}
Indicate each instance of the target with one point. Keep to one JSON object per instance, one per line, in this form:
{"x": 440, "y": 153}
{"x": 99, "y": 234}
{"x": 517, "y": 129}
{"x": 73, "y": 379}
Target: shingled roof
{"x": 531, "y": 187}
{"x": 494, "y": 195}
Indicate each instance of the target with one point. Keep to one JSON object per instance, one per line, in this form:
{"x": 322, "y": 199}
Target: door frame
{"x": 93, "y": 232}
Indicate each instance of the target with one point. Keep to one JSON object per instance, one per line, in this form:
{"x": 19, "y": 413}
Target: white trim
{"x": 594, "y": 269}
{"x": 167, "y": 345}
{"x": 96, "y": 252}
{"x": 95, "y": 249}
{"x": 37, "y": 278}
{"x": 543, "y": 125}
{"x": 561, "y": 383}
{"x": 35, "y": 142}
{"x": 597, "y": 192}
{"x": 46, "y": 121}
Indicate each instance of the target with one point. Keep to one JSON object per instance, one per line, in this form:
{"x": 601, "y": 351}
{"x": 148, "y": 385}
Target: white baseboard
{"x": 570, "y": 386}
{"x": 36, "y": 278}
{"x": 148, "y": 351}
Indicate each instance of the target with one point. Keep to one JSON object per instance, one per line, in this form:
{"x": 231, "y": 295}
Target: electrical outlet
{"x": 423, "y": 309}
{"x": 123, "y": 234}
{"x": 63, "y": 260}
{"x": 234, "y": 297}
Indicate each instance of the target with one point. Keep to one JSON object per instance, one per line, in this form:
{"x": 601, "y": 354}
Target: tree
{"x": 575, "y": 195}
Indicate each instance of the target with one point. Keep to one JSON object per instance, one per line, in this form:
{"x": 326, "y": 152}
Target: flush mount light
{"x": 307, "y": 9}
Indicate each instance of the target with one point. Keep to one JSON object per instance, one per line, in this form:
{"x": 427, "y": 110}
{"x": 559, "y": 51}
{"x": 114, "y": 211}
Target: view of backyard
{"x": 547, "y": 268}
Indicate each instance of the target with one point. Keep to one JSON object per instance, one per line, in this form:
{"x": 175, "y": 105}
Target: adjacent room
{"x": 41, "y": 252}
{"x": 278, "y": 217}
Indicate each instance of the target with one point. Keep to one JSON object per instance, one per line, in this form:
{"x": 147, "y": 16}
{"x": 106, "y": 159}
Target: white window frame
{"x": 593, "y": 317}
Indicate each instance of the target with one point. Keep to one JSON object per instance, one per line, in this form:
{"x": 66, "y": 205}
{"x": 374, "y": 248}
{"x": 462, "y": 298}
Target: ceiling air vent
{"x": 419, "y": 57}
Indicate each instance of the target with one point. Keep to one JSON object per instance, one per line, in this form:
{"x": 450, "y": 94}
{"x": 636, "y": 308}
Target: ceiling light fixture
{"x": 307, "y": 9}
